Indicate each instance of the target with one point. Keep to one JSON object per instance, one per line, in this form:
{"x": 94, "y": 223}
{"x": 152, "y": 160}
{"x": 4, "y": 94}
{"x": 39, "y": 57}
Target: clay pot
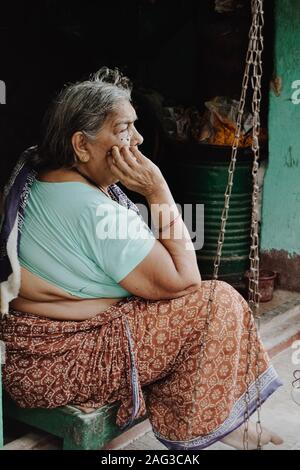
{"x": 266, "y": 284}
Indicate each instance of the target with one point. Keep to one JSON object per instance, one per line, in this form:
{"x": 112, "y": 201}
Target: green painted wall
{"x": 281, "y": 197}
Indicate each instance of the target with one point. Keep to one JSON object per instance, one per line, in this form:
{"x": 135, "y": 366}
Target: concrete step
{"x": 280, "y": 321}
{"x": 33, "y": 441}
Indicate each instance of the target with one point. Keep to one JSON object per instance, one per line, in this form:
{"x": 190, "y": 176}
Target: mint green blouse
{"x": 80, "y": 240}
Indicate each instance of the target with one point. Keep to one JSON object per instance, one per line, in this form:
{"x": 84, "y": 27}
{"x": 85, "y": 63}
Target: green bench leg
{"x": 78, "y": 430}
{"x": 90, "y": 431}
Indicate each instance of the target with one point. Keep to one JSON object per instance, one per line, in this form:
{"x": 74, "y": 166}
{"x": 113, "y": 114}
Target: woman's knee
{"x": 217, "y": 286}
{"x": 227, "y": 299}
{"x": 222, "y": 295}
{"x": 224, "y": 287}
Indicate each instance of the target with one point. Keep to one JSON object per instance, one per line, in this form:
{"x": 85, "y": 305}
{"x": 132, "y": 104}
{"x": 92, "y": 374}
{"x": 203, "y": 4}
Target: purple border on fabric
{"x": 238, "y": 421}
{"x": 134, "y": 380}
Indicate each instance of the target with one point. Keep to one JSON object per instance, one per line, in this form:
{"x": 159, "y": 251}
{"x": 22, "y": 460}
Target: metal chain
{"x": 253, "y": 58}
{"x": 254, "y": 295}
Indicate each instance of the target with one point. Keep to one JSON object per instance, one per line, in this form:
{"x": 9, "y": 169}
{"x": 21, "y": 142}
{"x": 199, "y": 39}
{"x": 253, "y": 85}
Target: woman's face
{"x": 118, "y": 129}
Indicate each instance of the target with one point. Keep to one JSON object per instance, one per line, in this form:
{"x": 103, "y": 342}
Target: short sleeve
{"x": 115, "y": 238}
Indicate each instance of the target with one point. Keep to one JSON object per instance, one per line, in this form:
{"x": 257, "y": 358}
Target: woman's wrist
{"x": 161, "y": 230}
{"x": 160, "y": 193}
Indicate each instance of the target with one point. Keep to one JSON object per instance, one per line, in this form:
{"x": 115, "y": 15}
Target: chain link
{"x": 254, "y": 60}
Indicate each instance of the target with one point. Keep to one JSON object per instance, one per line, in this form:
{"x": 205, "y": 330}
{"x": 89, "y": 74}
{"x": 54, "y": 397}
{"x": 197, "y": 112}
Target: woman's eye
{"x": 123, "y": 130}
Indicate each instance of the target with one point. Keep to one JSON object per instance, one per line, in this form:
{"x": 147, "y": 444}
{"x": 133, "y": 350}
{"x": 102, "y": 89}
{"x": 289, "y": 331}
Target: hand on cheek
{"x": 109, "y": 154}
{"x": 112, "y": 156}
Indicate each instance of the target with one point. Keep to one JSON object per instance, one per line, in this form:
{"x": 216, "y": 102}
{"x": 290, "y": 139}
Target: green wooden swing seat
{"x": 79, "y": 430}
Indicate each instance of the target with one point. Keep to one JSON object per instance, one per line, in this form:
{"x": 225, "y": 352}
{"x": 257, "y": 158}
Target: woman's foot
{"x": 235, "y": 438}
{"x": 85, "y": 409}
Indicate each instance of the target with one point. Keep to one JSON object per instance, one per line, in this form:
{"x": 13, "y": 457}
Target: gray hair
{"x": 82, "y": 106}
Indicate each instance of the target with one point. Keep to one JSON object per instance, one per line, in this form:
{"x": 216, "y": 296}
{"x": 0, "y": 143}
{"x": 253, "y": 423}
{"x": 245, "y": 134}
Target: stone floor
{"x": 281, "y": 299}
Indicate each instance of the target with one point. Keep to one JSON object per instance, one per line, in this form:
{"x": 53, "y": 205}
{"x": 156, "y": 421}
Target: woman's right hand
{"x": 170, "y": 270}
{"x": 135, "y": 171}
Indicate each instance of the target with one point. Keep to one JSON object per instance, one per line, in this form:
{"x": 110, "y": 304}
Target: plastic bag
{"x": 218, "y": 123}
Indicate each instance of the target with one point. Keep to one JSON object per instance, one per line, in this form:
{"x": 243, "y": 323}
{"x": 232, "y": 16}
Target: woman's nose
{"x": 136, "y": 138}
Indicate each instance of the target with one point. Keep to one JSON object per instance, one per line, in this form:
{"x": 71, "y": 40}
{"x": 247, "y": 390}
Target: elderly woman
{"x": 104, "y": 311}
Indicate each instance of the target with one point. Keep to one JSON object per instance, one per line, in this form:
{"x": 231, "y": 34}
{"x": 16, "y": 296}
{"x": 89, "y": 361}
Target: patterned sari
{"x": 147, "y": 356}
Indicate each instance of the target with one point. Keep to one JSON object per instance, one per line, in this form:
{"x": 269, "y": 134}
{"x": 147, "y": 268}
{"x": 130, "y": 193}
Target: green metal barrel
{"x": 199, "y": 174}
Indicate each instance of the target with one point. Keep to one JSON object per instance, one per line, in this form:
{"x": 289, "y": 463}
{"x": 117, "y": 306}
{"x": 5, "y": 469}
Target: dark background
{"x": 182, "y": 49}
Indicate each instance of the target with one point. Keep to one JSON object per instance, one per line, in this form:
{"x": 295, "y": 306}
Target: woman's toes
{"x": 269, "y": 436}
{"x": 275, "y": 439}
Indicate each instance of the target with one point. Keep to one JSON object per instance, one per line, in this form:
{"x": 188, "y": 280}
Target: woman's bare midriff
{"x": 41, "y": 298}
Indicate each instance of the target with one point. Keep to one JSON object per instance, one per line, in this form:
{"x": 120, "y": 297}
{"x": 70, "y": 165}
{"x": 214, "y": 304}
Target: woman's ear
{"x": 80, "y": 147}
